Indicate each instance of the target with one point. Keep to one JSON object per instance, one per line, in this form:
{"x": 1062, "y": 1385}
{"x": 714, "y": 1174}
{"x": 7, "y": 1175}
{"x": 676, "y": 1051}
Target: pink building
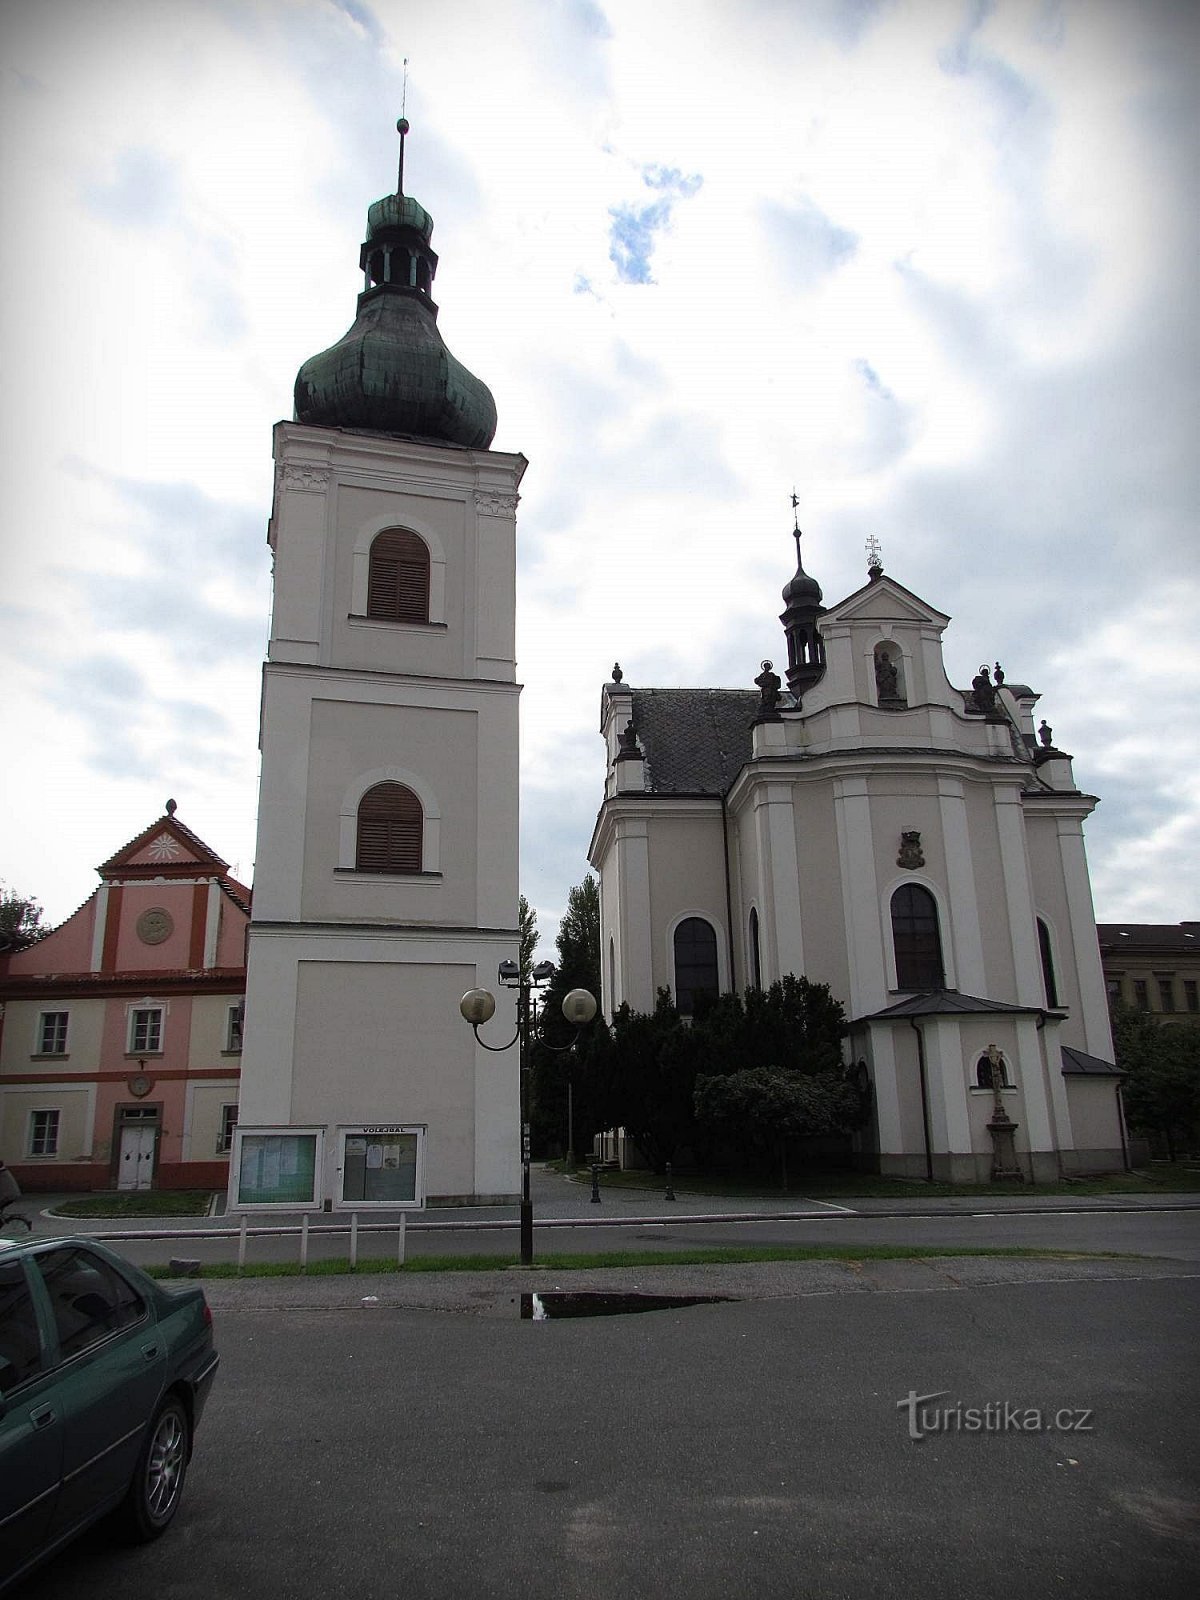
{"x": 121, "y": 1031}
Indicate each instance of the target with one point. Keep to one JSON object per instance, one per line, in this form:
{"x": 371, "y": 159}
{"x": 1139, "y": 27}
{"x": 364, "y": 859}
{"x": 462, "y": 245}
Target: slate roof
{"x": 695, "y": 741}
{"x": 948, "y": 1002}
{"x": 1078, "y": 1061}
{"x": 1183, "y": 937}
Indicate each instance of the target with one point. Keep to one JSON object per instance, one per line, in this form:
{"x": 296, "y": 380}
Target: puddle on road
{"x": 543, "y": 1307}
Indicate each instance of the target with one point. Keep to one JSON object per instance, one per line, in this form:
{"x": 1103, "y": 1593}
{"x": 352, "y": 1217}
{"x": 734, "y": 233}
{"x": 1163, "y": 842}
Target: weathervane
{"x": 796, "y": 521}
{"x": 874, "y": 558}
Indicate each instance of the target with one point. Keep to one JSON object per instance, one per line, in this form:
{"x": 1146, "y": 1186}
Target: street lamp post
{"x": 479, "y": 1006}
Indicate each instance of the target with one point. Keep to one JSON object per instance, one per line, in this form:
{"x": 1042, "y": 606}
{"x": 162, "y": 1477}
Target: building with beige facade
{"x": 386, "y": 871}
{"x": 1153, "y": 967}
{"x": 916, "y": 846}
{"x": 121, "y": 1031}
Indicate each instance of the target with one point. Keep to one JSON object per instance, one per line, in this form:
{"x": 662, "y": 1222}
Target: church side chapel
{"x": 915, "y": 846}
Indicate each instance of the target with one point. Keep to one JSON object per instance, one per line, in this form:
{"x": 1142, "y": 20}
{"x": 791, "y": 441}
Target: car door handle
{"x": 149, "y": 1351}
{"x": 42, "y": 1417}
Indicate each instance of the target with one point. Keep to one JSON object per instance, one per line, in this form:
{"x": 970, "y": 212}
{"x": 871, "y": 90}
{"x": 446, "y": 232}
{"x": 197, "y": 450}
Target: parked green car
{"x": 103, "y": 1378}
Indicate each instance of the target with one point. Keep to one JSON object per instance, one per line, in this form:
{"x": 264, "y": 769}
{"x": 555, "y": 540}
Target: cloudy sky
{"x": 931, "y": 261}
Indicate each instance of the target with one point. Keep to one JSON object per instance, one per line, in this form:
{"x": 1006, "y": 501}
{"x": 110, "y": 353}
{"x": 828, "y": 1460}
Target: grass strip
{"x": 707, "y": 1255}
{"x": 152, "y": 1203}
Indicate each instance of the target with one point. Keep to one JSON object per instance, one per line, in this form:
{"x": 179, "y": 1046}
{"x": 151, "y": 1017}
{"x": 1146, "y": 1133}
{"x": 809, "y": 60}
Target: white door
{"x": 137, "y": 1158}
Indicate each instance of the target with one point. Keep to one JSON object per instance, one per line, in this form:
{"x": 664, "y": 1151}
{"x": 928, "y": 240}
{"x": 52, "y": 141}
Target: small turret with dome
{"x": 392, "y": 372}
{"x": 802, "y": 608}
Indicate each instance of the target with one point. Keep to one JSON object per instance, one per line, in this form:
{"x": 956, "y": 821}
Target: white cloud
{"x": 937, "y": 272}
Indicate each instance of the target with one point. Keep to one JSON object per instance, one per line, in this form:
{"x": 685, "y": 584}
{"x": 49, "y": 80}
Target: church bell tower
{"x": 386, "y": 873}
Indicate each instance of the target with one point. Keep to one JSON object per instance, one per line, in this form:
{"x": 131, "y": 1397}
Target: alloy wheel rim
{"x": 164, "y": 1469}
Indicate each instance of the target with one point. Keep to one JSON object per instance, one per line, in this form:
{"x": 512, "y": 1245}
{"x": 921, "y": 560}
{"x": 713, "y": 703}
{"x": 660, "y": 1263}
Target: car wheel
{"x": 157, "y": 1486}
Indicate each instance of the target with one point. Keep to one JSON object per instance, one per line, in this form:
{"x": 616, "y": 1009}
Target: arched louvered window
{"x": 1047, "y": 954}
{"x": 755, "y": 953}
{"x": 695, "y": 964}
{"x": 398, "y": 577}
{"x": 916, "y": 939}
{"x": 390, "y": 823}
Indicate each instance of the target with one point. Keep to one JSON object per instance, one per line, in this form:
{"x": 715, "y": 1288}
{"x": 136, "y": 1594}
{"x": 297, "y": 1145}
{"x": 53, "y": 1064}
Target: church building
{"x": 385, "y": 884}
{"x": 916, "y": 847}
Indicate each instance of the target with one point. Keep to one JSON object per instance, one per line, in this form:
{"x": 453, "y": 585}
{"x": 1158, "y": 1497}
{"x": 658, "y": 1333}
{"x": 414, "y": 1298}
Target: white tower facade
{"x": 386, "y": 873}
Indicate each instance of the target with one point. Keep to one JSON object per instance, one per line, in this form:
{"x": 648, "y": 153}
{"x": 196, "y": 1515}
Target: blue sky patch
{"x": 633, "y": 229}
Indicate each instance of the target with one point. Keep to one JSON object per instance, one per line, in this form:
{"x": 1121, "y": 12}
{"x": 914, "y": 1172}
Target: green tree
{"x": 527, "y": 921}
{"x": 760, "y": 1110}
{"x": 642, "y": 1075}
{"x": 577, "y": 967}
{"x": 648, "y": 1069}
{"x": 1161, "y": 1061}
{"x": 20, "y": 920}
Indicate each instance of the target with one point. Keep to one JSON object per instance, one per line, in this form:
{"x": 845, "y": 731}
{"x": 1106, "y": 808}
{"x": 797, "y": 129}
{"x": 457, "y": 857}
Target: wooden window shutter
{"x": 398, "y": 578}
{"x": 390, "y": 822}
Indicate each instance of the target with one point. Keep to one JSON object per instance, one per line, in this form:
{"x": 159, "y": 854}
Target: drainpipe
{"x": 1125, "y": 1166}
{"x": 912, "y": 1022}
{"x": 728, "y": 891}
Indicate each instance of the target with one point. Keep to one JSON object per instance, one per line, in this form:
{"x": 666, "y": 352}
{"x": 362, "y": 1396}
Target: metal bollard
{"x": 242, "y": 1245}
{"x": 304, "y": 1242}
{"x": 595, "y": 1184}
{"x": 670, "y": 1194}
{"x": 400, "y": 1243}
{"x": 354, "y": 1241}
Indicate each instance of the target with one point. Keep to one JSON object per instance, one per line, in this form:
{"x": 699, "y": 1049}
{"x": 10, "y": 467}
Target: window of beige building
{"x": 52, "y": 1033}
{"x": 43, "y": 1132}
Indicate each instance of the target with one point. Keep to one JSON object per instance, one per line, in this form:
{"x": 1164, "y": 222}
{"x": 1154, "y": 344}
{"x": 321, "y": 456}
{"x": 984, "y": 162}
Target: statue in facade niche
{"x": 887, "y": 679}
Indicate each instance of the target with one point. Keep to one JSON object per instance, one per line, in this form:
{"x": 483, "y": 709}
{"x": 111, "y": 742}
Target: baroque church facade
{"x": 917, "y": 847}
{"x": 386, "y": 872}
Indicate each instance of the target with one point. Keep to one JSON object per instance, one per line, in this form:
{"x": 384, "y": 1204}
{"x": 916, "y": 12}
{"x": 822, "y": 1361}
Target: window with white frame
{"x": 43, "y": 1133}
{"x": 145, "y": 1030}
{"x": 234, "y": 1019}
{"x": 229, "y": 1115}
{"x": 52, "y": 1033}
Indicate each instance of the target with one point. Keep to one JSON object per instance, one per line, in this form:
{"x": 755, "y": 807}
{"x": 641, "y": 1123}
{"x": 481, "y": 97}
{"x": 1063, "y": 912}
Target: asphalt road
{"x": 753, "y": 1448}
{"x": 1174, "y": 1233}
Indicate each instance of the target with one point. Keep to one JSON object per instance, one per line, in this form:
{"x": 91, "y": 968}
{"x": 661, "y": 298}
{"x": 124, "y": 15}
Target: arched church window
{"x": 390, "y": 823}
{"x": 755, "y": 953}
{"x": 695, "y": 964}
{"x": 916, "y": 938}
{"x": 1048, "y": 981}
{"x": 398, "y": 577}
{"x": 983, "y": 1073}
